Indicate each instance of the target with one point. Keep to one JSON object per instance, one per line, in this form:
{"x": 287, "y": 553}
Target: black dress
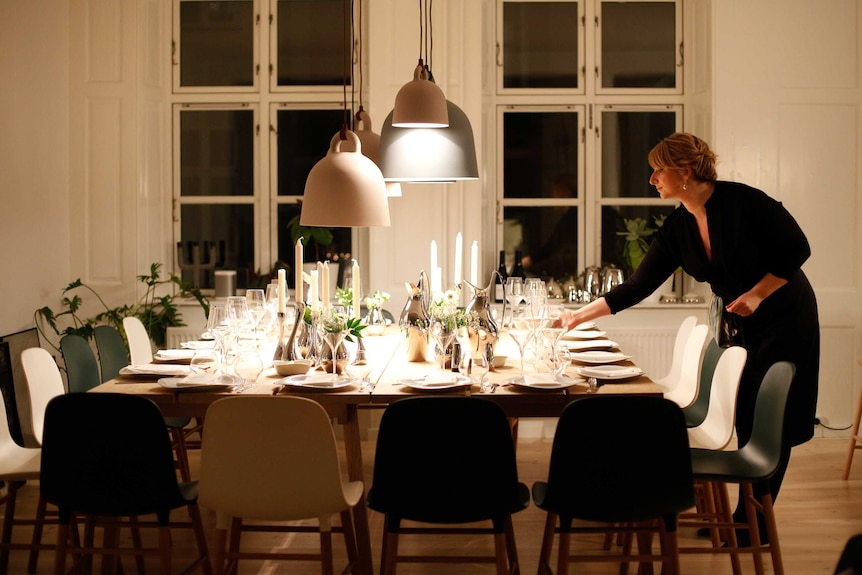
{"x": 751, "y": 235}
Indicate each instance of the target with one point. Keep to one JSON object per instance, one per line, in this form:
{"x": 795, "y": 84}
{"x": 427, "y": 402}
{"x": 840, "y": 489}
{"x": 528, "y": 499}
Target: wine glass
{"x": 332, "y": 328}
{"x": 517, "y": 322}
{"x": 238, "y": 318}
{"x": 248, "y": 365}
{"x": 256, "y": 303}
{"x": 443, "y": 335}
{"x": 514, "y": 290}
{"x": 217, "y": 327}
{"x": 205, "y": 361}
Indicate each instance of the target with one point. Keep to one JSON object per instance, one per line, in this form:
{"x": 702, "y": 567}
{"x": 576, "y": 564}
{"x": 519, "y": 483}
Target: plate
{"x": 587, "y": 325}
{"x": 198, "y": 344}
{"x": 325, "y": 381}
{"x": 165, "y": 369}
{"x": 432, "y": 383}
{"x": 584, "y": 345}
{"x": 544, "y": 381}
{"x": 598, "y": 356}
{"x": 583, "y": 334}
{"x": 200, "y": 382}
{"x": 174, "y": 354}
{"x": 610, "y": 371}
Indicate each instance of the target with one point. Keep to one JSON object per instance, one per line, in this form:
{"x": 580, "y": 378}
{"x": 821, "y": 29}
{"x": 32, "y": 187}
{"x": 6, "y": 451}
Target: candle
{"x": 324, "y": 287}
{"x": 459, "y": 248}
{"x": 474, "y": 263}
{"x": 433, "y": 256}
{"x": 282, "y": 289}
{"x": 357, "y": 289}
{"x": 299, "y": 287}
{"x": 315, "y": 303}
{"x": 436, "y": 281}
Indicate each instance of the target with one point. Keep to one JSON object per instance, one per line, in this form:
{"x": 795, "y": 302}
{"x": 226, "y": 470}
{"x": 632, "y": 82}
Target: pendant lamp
{"x": 420, "y": 103}
{"x": 371, "y": 146}
{"x": 442, "y": 155}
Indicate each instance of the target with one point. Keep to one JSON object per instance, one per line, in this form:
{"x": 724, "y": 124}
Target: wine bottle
{"x": 500, "y": 281}
{"x": 518, "y": 268}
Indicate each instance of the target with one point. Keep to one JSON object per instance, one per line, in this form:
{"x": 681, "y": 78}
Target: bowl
{"x": 296, "y": 367}
{"x": 499, "y": 360}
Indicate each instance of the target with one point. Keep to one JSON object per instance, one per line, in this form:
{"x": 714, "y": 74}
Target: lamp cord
{"x": 343, "y": 132}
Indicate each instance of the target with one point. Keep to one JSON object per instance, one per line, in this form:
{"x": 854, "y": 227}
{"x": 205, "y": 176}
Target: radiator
{"x": 174, "y": 336}
{"x": 650, "y": 349}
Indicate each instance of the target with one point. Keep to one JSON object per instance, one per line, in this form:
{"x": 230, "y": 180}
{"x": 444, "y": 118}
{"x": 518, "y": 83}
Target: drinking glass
{"x": 248, "y": 365}
{"x": 205, "y": 361}
{"x": 256, "y": 303}
{"x": 518, "y": 323}
{"x": 332, "y": 328}
{"x": 238, "y": 319}
{"x": 217, "y": 327}
{"x": 514, "y": 290}
{"x": 554, "y": 326}
{"x": 443, "y": 335}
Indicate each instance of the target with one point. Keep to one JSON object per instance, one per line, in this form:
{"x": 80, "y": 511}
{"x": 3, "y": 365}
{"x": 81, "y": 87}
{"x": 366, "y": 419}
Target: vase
{"x": 375, "y": 321}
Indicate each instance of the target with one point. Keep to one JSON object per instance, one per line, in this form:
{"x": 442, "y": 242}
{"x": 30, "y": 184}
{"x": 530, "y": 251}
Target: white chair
{"x": 140, "y": 349}
{"x": 683, "y": 391}
{"x": 682, "y": 333}
{"x": 716, "y": 431}
{"x": 44, "y": 383}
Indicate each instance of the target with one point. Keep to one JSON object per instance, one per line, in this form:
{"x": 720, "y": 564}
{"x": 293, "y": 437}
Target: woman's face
{"x": 668, "y": 183}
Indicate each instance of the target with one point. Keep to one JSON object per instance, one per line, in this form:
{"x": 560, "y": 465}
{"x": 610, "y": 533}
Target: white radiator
{"x": 650, "y": 349}
{"x": 174, "y": 336}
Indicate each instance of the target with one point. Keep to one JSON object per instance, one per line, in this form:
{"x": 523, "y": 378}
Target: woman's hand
{"x": 589, "y": 312}
{"x": 747, "y": 303}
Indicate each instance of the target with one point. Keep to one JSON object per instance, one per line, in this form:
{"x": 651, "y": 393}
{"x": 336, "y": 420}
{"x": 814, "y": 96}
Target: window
{"x": 572, "y": 174}
{"x": 244, "y": 144}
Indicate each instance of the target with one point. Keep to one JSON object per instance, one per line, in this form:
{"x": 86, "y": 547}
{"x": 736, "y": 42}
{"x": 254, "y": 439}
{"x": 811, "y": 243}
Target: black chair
{"x": 7, "y": 388}
{"x": 754, "y": 463}
{"x": 850, "y": 562}
{"x": 18, "y": 342}
{"x": 696, "y": 412}
{"x": 82, "y": 369}
{"x": 622, "y": 464}
{"x": 447, "y": 461}
{"x": 106, "y": 477}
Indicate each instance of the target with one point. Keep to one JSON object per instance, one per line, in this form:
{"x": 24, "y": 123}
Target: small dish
{"x": 499, "y": 360}
{"x": 598, "y": 357}
{"x": 437, "y": 383}
{"x": 295, "y": 367}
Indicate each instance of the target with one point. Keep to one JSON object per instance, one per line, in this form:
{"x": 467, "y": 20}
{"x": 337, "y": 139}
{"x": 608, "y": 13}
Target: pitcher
{"x": 487, "y": 331}
{"x": 415, "y": 319}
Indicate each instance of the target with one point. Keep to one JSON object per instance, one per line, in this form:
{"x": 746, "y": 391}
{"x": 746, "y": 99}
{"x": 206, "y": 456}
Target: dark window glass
{"x": 616, "y": 221}
{"x": 627, "y": 139}
{"x": 533, "y": 57}
{"x": 227, "y": 230}
{"x": 547, "y": 238}
{"x": 311, "y": 43}
{"x": 538, "y": 149}
{"x": 303, "y": 139}
{"x": 216, "y": 153}
{"x": 338, "y": 252}
{"x": 638, "y": 45}
{"x": 216, "y": 43}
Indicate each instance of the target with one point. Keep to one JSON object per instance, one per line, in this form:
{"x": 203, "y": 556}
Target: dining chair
{"x": 274, "y": 459}
{"x": 850, "y": 562}
{"x": 82, "y": 369}
{"x": 683, "y": 391}
{"x": 752, "y": 464}
{"x": 444, "y": 462}
{"x": 44, "y": 383}
{"x": 619, "y": 464}
{"x": 696, "y": 412}
{"x": 140, "y": 348}
{"x": 114, "y": 479}
{"x": 682, "y": 333}
{"x": 10, "y": 394}
{"x": 716, "y": 430}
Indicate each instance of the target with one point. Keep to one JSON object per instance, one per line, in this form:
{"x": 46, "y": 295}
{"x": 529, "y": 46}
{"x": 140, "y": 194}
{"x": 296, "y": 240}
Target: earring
{"x": 685, "y": 185}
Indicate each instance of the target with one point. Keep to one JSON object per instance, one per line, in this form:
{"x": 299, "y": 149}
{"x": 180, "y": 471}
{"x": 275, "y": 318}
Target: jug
{"x": 592, "y": 282}
{"x": 415, "y": 319}
{"x": 612, "y": 276}
{"x": 486, "y": 332}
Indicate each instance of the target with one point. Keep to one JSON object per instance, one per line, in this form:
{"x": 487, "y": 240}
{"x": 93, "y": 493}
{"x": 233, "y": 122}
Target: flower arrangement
{"x": 377, "y": 300}
{"x": 444, "y": 310}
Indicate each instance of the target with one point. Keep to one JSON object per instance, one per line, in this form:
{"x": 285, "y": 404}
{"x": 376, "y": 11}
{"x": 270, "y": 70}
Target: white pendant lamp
{"x": 442, "y": 155}
{"x": 345, "y": 188}
{"x": 420, "y": 103}
{"x": 371, "y": 147}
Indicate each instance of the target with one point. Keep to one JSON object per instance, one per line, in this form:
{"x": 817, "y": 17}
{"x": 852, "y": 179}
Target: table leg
{"x": 355, "y": 471}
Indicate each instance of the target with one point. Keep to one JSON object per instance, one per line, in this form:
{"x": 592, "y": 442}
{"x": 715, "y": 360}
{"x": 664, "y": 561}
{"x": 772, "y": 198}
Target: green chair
{"x": 113, "y": 355}
{"x": 82, "y": 369}
{"x": 696, "y": 412}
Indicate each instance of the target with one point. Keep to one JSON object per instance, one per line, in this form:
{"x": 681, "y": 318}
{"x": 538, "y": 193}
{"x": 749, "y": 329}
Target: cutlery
{"x": 494, "y": 387}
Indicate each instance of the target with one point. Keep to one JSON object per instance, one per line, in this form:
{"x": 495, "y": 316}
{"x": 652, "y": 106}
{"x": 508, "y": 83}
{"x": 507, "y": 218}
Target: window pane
{"x": 548, "y": 236}
{"x": 628, "y": 138}
{"x": 311, "y": 44}
{"x": 229, "y": 229}
{"x": 337, "y": 252}
{"x": 638, "y": 45}
{"x": 615, "y": 221}
{"x": 533, "y": 57}
{"x": 217, "y": 152}
{"x": 216, "y": 43}
{"x": 303, "y": 139}
{"x": 538, "y": 148}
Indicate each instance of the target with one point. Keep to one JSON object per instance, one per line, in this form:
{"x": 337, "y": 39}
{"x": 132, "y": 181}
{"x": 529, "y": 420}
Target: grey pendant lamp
{"x": 345, "y": 188}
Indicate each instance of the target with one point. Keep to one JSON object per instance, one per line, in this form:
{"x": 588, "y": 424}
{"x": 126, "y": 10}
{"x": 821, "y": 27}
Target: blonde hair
{"x": 682, "y": 150}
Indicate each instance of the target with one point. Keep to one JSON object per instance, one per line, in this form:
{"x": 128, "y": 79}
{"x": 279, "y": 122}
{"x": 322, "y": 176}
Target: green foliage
{"x": 156, "y": 312}
{"x": 636, "y": 246}
{"x": 312, "y": 237}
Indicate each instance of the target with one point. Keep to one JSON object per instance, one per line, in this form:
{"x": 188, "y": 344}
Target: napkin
{"x": 155, "y": 369}
{"x": 320, "y": 379}
{"x": 175, "y": 354}
{"x": 199, "y": 344}
{"x": 206, "y": 379}
{"x": 540, "y": 380}
{"x": 444, "y": 378}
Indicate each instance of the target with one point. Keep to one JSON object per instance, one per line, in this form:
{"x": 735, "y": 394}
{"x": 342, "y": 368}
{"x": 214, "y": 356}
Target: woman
{"x": 750, "y": 250}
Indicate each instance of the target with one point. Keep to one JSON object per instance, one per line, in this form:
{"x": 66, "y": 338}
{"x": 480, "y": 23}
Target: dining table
{"x": 391, "y": 377}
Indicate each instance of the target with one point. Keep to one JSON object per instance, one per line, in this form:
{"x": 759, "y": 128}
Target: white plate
{"x": 584, "y": 334}
{"x": 198, "y": 344}
{"x": 199, "y": 382}
{"x": 587, "y": 325}
{"x": 429, "y": 383}
{"x": 174, "y": 354}
{"x": 156, "y": 369}
{"x": 610, "y": 371}
{"x": 598, "y": 356}
{"x": 544, "y": 381}
{"x": 584, "y": 345}
{"x": 318, "y": 381}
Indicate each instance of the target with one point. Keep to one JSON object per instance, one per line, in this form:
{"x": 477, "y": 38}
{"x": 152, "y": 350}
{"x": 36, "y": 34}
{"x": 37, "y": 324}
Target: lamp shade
{"x": 371, "y": 147}
{"x": 420, "y": 103}
{"x": 345, "y": 189}
{"x": 429, "y": 155}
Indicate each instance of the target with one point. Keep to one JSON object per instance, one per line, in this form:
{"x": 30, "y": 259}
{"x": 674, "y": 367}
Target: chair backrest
{"x": 716, "y": 430}
{"x": 679, "y": 349}
{"x": 299, "y": 477}
{"x": 128, "y": 470}
{"x": 82, "y": 370}
{"x": 140, "y": 348}
{"x": 44, "y": 383}
{"x": 112, "y": 351}
{"x": 10, "y": 446}
{"x": 7, "y": 387}
{"x": 696, "y": 412}
{"x": 18, "y": 342}
{"x": 620, "y": 458}
{"x": 766, "y": 435}
{"x": 445, "y": 460}
{"x": 685, "y": 390}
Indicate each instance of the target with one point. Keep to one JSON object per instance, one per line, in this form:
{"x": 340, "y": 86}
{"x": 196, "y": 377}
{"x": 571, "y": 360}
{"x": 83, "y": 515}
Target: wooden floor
{"x": 817, "y": 512}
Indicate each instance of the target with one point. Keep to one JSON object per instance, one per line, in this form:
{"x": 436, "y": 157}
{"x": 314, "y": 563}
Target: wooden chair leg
{"x": 218, "y": 551}
{"x": 178, "y": 437}
{"x": 349, "y": 529}
{"x": 511, "y": 548}
{"x": 547, "y": 543}
{"x": 41, "y": 511}
{"x": 854, "y": 438}
{"x": 563, "y": 553}
{"x": 326, "y": 550}
{"x": 501, "y": 553}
